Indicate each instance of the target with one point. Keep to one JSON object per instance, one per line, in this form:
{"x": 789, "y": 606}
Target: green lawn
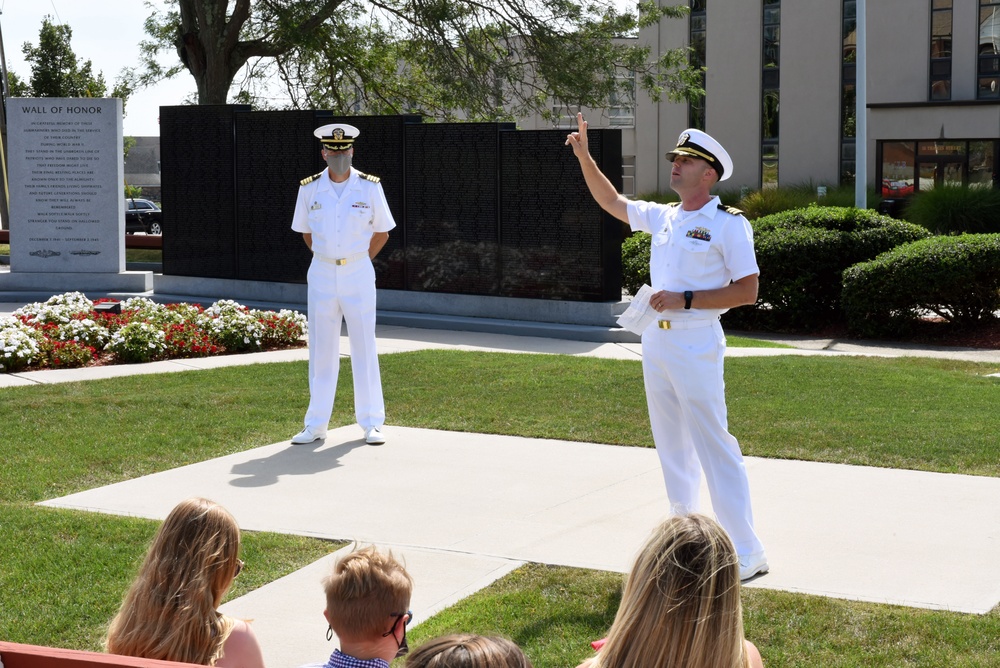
{"x": 62, "y": 573}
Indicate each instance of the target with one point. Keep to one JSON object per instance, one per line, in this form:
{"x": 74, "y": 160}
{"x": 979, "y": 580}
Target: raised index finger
{"x": 580, "y": 123}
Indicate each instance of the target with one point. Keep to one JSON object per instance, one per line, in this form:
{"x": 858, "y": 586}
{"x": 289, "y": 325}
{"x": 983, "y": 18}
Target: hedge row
{"x": 956, "y": 278}
{"x": 830, "y": 266}
{"x": 802, "y": 255}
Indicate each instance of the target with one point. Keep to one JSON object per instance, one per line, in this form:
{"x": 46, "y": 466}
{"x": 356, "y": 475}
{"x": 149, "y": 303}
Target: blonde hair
{"x": 681, "y": 604}
{"x": 170, "y": 611}
{"x": 364, "y": 590}
{"x": 467, "y": 650}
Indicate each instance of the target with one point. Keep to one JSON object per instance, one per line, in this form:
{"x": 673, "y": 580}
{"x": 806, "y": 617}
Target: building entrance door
{"x": 937, "y": 172}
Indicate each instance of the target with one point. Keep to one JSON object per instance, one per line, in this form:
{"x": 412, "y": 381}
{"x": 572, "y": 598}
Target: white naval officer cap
{"x": 337, "y": 136}
{"x": 701, "y": 145}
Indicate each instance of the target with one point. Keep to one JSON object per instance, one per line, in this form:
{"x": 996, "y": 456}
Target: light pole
{"x": 860, "y": 114}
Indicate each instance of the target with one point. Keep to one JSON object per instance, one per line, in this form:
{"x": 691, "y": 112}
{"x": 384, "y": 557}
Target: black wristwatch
{"x": 688, "y": 296}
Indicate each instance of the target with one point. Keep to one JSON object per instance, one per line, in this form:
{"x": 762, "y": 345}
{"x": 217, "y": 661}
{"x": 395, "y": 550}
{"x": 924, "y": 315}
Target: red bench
{"x": 15, "y": 655}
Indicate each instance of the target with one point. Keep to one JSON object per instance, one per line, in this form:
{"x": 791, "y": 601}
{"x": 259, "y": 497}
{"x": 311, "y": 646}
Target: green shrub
{"x": 802, "y": 255}
{"x": 635, "y": 262}
{"x": 956, "y": 210}
{"x": 956, "y": 278}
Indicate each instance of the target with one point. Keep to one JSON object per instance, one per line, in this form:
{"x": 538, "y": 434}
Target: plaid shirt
{"x": 340, "y": 660}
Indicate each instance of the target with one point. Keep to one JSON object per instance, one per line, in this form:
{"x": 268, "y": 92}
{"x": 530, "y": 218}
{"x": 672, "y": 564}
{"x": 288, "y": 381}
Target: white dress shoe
{"x": 308, "y": 435}
{"x": 753, "y": 564}
{"x": 374, "y": 436}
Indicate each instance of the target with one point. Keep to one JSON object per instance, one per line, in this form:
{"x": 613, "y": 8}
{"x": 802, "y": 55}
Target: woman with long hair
{"x": 171, "y": 610}
{"x": 681, "y": 604}
{"x": 467, "y": 650}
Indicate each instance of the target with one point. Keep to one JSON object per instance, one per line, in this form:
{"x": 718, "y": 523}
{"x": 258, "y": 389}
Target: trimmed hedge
{"x": 635, "y": 261}
{"x": 956, "y": 278}
{"x": 802, "y": 255}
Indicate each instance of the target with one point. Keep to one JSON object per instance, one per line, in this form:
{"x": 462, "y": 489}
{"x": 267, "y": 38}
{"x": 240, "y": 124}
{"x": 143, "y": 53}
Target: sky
{"x": 106, "y": 32}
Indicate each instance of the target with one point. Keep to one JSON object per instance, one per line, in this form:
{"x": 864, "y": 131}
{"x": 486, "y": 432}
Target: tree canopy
{"x": 475, "y": 59}
{"x": 55, "y": 70}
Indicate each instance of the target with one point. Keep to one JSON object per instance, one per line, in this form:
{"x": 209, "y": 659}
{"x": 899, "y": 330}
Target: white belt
{"x": 340, "y": 261}
{"x": 686, "y": 324}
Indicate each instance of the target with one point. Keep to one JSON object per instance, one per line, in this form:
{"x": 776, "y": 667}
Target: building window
{"x": 770, "y": 93}
{"x": 628, "y": 175}
{"x": 940, "y": 50}
{"x": 898, "y": 165}
{"x": 906, "y": 167}
{"x": 622, "y": 110}
{"x": 989, "y": 50}
{"x": 563, "y": 117}
{"x": 697, "y": 32}
{"x": 848, "y": 91}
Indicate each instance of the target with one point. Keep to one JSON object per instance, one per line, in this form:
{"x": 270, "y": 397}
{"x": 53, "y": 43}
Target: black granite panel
{"x": 198, "y": 190}
{"x": 452, "y": 240}
{"x": 274, "y": 152}
{"x": 553, "y": 233}
{"x": 479, "y": 208}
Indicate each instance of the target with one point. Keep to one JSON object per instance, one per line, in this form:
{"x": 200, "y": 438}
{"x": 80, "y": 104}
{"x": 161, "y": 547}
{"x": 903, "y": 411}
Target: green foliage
{"x": 17, "y": 86}
{"x": 956, "y": 210}
{"x": 56, "y": 72}
{"x": 802, "y": 254}
{"x": 956, "y": 278}
{"x": 54, "y": 68}
{"x": 635, "y": 262}
{"x": 443, "y": 59}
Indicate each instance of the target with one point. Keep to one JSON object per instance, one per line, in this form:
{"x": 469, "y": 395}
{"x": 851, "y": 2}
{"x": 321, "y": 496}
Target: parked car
{"x": 141, "y": 215}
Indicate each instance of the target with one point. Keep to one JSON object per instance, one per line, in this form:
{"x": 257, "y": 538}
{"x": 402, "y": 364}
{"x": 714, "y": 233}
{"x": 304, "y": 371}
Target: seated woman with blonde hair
{"x": 466, "y": 650}
{"x": 681, "y": 604}
{"x": 171, "y": 610}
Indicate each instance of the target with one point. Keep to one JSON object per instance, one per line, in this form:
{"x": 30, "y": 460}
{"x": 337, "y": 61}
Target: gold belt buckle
{"x": 340, "y": 261}
{"x": 664, "y": 324}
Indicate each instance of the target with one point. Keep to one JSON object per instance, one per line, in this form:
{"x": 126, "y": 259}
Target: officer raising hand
{"x": 702, "y": 263}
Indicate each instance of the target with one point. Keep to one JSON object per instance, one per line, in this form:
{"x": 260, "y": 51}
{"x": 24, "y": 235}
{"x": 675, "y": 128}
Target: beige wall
{"x": 898, "y": 50}
{"x": 809, "y": 142}
{"x": 733, "y": 105}
{"x": 960, "y": 122}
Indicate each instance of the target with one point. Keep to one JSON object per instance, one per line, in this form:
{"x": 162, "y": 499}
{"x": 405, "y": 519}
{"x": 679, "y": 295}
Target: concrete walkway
{"x": 463, "y": 509}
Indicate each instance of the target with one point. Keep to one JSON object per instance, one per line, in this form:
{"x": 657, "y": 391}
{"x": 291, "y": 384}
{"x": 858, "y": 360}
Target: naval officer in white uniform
{"x": 702, "y": 263}
{"x": 345, "y": 220}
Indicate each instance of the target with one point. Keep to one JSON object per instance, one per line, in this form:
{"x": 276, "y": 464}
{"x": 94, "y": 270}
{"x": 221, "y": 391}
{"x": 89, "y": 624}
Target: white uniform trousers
{"x": 338, "y": 293}
{"x": 685, "y": 393}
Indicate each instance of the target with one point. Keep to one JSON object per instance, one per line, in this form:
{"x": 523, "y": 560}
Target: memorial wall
{"x": 480, "y": 209}
{"x": 66, "y": 168}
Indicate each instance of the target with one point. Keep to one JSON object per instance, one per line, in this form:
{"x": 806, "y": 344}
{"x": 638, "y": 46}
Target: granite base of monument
{"x": 59, "y": 282}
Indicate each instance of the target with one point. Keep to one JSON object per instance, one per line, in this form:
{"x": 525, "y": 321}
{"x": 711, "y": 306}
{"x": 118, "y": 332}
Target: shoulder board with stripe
{"x": 731, "y": 210}
{"x": 310, "y": 179}
{"x": 673, "y": 203}
{"x": 369, "y": 177}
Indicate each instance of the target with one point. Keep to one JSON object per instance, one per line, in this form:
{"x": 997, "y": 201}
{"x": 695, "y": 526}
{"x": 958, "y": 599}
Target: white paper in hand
{"x": 639, "y": 314}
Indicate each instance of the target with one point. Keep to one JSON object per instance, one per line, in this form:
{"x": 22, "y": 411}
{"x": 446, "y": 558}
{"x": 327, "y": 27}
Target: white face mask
{"x": 339, "y": 162}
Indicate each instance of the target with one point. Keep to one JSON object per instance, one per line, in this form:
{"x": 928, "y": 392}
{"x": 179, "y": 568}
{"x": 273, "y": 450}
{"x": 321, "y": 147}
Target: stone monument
{"x": 67, "y": 207}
